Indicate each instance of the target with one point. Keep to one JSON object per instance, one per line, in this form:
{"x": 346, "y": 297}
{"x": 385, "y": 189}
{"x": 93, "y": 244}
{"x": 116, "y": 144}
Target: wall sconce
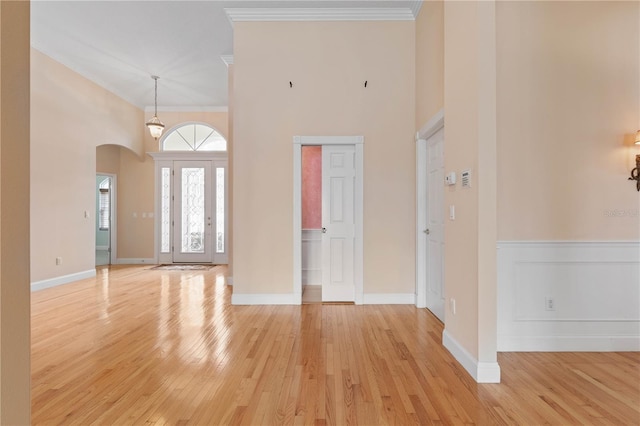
{"x": 635, "y": 173}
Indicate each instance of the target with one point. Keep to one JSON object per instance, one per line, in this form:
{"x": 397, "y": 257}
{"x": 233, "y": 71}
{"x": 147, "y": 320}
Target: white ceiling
{"x": 120, "y": 44}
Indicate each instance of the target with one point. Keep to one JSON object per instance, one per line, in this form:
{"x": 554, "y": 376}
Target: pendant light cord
{"x": 155, "y": 77}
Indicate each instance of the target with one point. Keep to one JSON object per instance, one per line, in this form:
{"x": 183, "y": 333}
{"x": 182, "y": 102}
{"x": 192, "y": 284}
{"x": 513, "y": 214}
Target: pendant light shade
{"x": 637, "y": 137}
{"x": 155, "y": 125}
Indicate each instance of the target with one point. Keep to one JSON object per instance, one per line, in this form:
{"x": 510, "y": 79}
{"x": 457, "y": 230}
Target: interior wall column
{"x": 15, "y": 342}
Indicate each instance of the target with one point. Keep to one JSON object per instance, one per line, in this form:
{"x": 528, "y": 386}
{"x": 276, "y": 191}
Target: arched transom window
{"x": 193, "y": 137}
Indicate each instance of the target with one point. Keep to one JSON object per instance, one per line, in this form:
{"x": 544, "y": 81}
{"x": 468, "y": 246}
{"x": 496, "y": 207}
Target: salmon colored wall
{"x": 311, "y": 187}
{"x": 70, "y": 116}
{"x": 569, "y": 104}
{"x": 15, "y": 345}
{"x": 328, "y": 63}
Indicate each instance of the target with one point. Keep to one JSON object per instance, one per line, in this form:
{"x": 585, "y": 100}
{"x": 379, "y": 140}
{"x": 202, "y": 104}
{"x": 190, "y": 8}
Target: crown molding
{"x": 227, "y": 59}
{"x": 251, "y": 14}
{"x": 415, "y": 7}
{"x": 188, "y": 109}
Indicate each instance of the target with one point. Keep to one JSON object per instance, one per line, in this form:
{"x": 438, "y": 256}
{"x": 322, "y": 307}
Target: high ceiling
{"x": 120, "y": 44}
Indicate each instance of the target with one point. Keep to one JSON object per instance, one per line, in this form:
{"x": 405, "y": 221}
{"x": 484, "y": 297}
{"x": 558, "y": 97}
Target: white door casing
{"x": 168, "y": 207}
{"x": 338, "y": 223}
{"x": 433, "y": 126}
{"x": 358, "y": 145}
{"x": 435, "y": 224}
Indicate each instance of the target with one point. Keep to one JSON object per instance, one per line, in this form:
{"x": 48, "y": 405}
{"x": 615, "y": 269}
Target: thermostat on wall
{"x": 466, "y": 178}
{"x": 450, "y": 178}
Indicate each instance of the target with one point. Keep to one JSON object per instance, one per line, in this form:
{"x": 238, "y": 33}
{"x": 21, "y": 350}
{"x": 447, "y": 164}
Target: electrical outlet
{"x": 452, "y": 305}
{"x": 58, "y": 261}
{"x": 549, "y": 304}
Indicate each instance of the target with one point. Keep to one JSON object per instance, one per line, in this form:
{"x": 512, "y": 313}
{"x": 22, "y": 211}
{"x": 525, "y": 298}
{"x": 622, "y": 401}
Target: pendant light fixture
{"x": 155, "y": 125}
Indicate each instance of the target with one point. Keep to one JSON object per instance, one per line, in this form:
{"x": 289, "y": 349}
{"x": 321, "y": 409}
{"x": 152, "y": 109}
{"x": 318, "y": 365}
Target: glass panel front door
{"x": 192, "y": 212}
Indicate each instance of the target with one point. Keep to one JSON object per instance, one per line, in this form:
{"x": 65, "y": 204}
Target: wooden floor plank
{"x": 135, "y": 346}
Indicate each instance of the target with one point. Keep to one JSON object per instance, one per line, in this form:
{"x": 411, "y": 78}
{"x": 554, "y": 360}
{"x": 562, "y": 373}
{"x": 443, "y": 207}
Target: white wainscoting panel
{"x": 594, "y": 288}
{"x": 311, "y": 257}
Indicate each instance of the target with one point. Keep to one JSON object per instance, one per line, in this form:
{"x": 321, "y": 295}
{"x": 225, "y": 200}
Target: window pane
{"x": 194, "y": 137}
{"x": 193, "y": 210}
{"x": 220, "y": 209}
{"x": 175, "y": 142}
{"x": 104, "y": 209}
{"x": 165, "y": 210}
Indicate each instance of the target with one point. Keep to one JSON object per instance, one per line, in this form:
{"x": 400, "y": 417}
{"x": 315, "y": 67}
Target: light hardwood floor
{"x": 135, "y": 346}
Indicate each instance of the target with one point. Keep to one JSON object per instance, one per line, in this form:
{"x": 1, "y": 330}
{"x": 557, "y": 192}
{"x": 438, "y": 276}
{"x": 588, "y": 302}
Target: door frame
{"x": 113, "y": 220}
{"x": 358, "y": 143}
{"x": 429, "y": 129}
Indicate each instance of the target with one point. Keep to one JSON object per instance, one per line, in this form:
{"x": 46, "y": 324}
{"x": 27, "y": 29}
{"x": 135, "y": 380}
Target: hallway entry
{"x": 191, "y": 218}
{"x": 105, "y": 219}
{"x": 328, "y": 219}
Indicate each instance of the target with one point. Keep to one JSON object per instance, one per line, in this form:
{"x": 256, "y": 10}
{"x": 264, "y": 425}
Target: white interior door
{"x": 338, "y": 221}
{"x": 192, "y": 216}
{"x": 435, "y": 224}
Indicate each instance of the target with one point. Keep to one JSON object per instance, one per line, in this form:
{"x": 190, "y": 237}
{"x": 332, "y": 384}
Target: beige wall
{"x": 15, "y": 330}
{"x": 70, "y": 116}
{"x": 470, "y": 144}
{"x": 328, "y": 63}
{"x": 108, "y": 159}
{"x": 569, "y": 103}
{"x": 429, "y": 61}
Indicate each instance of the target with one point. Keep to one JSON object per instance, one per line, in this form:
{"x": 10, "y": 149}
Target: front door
{"x": 192, "y": 215}
{"x": 435, "y": 224}
{"x": 338, "y": 221}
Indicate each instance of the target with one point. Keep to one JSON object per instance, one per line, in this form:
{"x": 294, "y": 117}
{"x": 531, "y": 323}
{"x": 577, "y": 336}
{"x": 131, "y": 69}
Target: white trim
{"x": 595, "y": 292}
{"x": 260, "y": 14}
{"x": 195, "y": 108}
{"x": 571, "y": 344}
{"x": 434, "y": 124}
{"x": 415, "y": 7}
{"x": 136, "y": 261}
{"x": 64, "y": 279}
{"x": 389, "y": 299}
{"x": 188, "y": 155}
{"x": 264, "y": 299}
{"x": 571, "y": 243}
{"x": 227, "y": 59}
{"x": 481, "y": 372}
{"x": 358, "y": 142}
{"x": 429, "y": 129}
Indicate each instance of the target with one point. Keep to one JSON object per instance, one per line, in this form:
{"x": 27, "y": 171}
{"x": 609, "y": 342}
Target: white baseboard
{"x": 571, "y": 343}
{"x": 595, "y": 292}
{"x": 136, "y": 261}
{"x": 482, "y": 372}
{"x": 389, "y": 299}
{"x": 65, "y": 279}
{"x": 264, "y": 299}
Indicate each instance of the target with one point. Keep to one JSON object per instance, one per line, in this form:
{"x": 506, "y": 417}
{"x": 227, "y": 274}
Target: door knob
{"x": 426, "y": 231}
{"x": 324, "y": 230}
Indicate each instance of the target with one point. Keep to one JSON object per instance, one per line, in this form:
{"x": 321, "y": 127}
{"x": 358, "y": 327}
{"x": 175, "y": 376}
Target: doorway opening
{"x": 105, "y": 232}
{"x": 430, "y": 280}
{"x": 192, "y": 202}
{"x": 328, "y": 217}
